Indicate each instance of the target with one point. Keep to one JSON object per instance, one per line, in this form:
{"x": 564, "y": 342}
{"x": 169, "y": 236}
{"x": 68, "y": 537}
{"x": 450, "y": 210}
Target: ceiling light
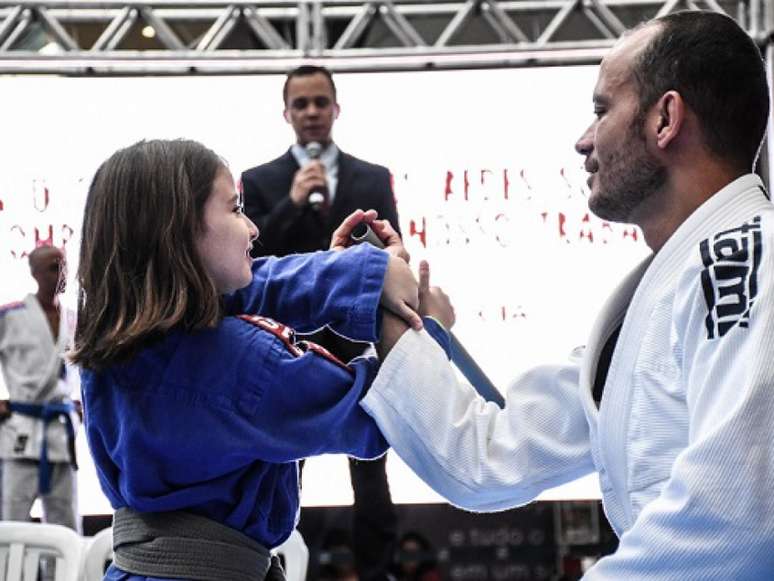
{"x": 50, "y": 48}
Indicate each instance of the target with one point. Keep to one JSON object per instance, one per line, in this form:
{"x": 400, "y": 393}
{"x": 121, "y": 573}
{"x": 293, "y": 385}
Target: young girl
{"x": 197, "y": 406}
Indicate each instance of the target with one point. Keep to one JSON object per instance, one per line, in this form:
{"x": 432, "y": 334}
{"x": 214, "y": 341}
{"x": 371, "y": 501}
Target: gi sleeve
{"x": 470, "y": 451}
{"x": 714, "y": 518}
{"x": 307, "y": 400}
{"x": 308, "y": 291}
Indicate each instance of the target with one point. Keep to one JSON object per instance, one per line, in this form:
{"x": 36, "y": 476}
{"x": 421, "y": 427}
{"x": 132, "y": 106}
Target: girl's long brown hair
{"x": 139, "y": 273}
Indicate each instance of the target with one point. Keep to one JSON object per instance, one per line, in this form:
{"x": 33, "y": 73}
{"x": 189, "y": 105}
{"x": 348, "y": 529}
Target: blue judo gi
{"x": 213, "y": 422}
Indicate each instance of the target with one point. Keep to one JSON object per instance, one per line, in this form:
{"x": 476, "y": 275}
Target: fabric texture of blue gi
{"x": 214, "y": 421}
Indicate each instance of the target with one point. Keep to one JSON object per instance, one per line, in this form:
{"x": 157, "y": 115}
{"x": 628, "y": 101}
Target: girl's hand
{"x": 391, "y": 241}
{"x": 340, "y": 239}
{"x": 390, "y": 238}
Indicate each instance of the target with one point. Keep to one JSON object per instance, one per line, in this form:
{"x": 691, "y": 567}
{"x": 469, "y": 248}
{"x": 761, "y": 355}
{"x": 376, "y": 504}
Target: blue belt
{"x": 49, "y": 412}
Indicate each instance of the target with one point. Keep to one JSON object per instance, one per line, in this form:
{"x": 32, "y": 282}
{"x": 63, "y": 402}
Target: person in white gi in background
{"x": 683, "y": 440}
{"x": 34, "y": 334}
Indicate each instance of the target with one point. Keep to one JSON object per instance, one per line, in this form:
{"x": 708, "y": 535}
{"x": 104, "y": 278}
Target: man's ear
{"x": 336, "y": 110}
{"x": 286, "y": 114}
{"x": 669, "y": 117}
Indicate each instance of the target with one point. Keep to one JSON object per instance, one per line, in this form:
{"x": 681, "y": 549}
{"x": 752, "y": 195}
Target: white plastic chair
{"x": 22, "y": 544}
{"x": 295, "y": 555}
{"x": 97, "y": 553}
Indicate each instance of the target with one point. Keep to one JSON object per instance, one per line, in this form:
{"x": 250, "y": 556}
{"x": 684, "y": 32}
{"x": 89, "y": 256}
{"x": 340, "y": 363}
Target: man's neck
{"x": 47, "y": 301}
{"x": 682, "y": 196}
{"x": 323, "y": 144}
{"x": 328, "y": 155}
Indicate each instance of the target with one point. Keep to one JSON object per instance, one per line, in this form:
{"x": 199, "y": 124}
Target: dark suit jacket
{"x": 286, "y": 229}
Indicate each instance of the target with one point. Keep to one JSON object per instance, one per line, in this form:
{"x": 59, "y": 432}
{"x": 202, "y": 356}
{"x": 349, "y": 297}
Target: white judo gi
{"x": 683, "y": 441}
{"x": 34, "y": 371}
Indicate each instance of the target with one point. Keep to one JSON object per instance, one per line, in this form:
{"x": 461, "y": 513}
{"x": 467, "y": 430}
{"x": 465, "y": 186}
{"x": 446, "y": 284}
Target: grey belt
{"x": 184, "y": 545}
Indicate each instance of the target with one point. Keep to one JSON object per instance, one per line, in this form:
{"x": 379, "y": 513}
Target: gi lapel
{"x": 735, "y": 203}
{"x": 40, "y": 321}
{"x": 611, "y": 315}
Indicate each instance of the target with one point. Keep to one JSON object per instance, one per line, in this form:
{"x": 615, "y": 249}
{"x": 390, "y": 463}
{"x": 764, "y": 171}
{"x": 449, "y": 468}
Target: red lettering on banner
{"x": 587, "y": 232}
{"x": 421, "y": 233}
{"x": 501, "y": 223}
{"x": 609, "y": 228}
{"x": 588, "y": 228}
{"x": 501, "y": 314}
{"x": 630, "y": 232}
{"x": 570, "y": 187}
{"x": 523, "y": 176}
{"x": 44, "y": 242}
{"x": 448, "y": 189}
{"x": 40, "y": 196}
{"x": 21, "y": 244}
{"x": 484, "y": 185}
{"x": 483, "y": 175}
{"x": 23, "y": 252}
{"x": 67, "y": 233}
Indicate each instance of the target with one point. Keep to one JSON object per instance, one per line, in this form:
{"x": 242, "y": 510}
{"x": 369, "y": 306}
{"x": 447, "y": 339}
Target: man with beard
{"x": 671, "y": 400}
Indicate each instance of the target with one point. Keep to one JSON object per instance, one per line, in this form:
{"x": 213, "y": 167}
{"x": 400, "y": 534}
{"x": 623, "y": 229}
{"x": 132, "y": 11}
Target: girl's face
{"x": 224, "y": 245}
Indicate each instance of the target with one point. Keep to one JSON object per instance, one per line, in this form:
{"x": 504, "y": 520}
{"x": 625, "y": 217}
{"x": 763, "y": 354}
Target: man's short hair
{"x": 305, "y": 71}
{"x": 719, "y": 72}
{"x": 32, "y": 257}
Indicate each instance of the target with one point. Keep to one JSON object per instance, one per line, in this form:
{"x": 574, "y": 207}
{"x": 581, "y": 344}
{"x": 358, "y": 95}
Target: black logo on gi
{"x": 730, "y": 276}
{"x": 21, "y": 443}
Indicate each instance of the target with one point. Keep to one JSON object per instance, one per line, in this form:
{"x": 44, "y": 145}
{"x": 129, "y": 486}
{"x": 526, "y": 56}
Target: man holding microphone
{"x": 297, "y": 201}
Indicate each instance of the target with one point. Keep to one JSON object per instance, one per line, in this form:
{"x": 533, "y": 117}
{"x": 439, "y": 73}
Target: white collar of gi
{"x": 743, "y": 196}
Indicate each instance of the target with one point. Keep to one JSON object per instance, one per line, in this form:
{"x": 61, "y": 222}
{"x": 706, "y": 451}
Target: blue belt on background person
{"x": 49, "y": 412}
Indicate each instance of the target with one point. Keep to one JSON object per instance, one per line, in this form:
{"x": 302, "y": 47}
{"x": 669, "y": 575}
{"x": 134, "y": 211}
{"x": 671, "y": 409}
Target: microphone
{"x": 316, "y": 199}
{"x": 363, "y": 233}
{"x": 459, "y": 355}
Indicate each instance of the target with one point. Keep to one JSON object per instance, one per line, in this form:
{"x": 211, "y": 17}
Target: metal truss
{"x": 158, "y": 37}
